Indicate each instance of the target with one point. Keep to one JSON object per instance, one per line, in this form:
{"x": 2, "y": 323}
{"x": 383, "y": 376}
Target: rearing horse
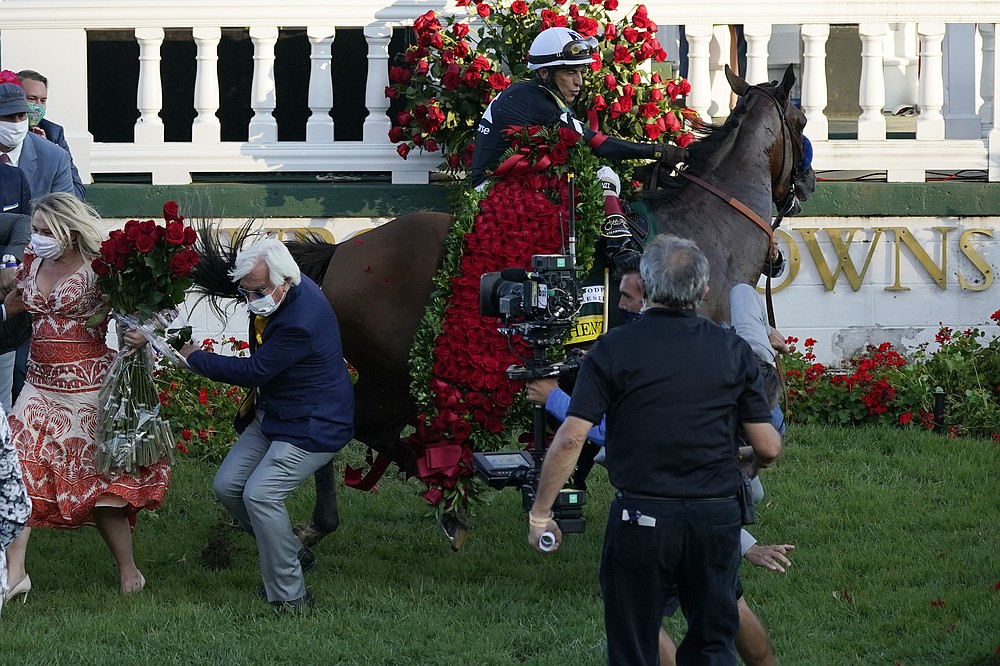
{"x": 380, "y": 282}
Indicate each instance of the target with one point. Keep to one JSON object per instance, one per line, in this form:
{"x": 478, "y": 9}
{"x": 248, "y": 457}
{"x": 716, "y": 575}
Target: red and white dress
{"x": 54, "y": 421}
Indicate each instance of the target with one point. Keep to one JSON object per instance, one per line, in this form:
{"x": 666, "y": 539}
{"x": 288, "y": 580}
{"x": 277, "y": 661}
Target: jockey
{"x": 559, "y": 57}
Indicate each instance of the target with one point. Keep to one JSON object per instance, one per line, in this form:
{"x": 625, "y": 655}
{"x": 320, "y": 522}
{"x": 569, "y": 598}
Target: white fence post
{"x": 871, "y": 96}
{"x": 206, "y": 127}
{"x": 930, "y": 122}
{"x": 699, "y": 36}
{"x": 814, "y": 95}
{"x": 319, "y": 127}
{"x": 757, "y": 36}
{"x": 263, "y": 127}
{"x": 987, "y": 77}
{"x": 149, "y": 97}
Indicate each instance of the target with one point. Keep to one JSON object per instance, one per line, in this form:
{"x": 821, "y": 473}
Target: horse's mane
{"x": 710, "y": 138}
{"x": 312, "y": 254}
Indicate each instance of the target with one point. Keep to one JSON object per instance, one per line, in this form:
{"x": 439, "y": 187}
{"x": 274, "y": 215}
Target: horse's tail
{"x": 312, "y": 254}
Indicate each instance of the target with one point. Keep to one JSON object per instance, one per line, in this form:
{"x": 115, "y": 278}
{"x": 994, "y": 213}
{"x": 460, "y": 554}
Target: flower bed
{"x": 954, "y": 386}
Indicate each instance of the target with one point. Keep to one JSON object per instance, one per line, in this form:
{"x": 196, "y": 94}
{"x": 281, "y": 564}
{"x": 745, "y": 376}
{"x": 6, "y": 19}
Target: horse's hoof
{"x": 456, "y": 528}
{"x": 308, "y": 535}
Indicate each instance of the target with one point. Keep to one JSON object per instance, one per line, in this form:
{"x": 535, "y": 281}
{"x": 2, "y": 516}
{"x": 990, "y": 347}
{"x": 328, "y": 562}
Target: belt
{"x": 625, "y": 494}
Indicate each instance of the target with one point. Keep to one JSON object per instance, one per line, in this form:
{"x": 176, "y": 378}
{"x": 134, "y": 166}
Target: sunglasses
{"x": 579, "y": 47}
{"x": 252, "y": 294}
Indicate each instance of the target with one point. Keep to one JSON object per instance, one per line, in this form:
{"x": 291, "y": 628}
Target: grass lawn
{"x": 897, "y": 562}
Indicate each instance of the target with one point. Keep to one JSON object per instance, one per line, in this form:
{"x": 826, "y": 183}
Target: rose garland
{"x": 459, "y": 359}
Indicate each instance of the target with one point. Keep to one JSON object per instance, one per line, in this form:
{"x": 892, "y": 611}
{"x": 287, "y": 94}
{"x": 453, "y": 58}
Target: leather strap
{"x": 732, "y": 201}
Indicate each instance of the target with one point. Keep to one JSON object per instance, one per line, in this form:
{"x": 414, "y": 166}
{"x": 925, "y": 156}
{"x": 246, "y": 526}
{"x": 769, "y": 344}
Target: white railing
{"x": 951, "y": 45}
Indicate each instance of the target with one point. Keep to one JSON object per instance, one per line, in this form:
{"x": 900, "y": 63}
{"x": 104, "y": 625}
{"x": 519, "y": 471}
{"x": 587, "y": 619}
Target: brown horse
{"x": 380, "y": 282}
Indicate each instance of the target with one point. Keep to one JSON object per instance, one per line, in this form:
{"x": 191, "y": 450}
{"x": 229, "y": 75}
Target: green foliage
{"x": 898, "y": 520}
{"x": 882, "y": 385}
{"x": 200, "y": 410}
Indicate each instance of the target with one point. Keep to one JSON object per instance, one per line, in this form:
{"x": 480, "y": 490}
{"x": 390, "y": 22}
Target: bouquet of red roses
{"x": 144, "y": 273}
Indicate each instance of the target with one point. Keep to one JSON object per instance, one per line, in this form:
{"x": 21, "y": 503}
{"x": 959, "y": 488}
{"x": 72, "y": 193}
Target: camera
{"x": 539, "y": 304}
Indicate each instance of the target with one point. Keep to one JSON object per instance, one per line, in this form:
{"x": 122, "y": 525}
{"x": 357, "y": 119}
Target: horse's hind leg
{"x": 325, "y": 518}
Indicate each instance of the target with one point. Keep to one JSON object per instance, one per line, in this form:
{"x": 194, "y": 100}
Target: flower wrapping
{"x": 143, "y": 271}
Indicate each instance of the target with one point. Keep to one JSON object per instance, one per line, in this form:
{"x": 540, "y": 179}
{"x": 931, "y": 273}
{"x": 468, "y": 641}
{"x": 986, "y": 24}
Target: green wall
{"x": 380, "y": 199}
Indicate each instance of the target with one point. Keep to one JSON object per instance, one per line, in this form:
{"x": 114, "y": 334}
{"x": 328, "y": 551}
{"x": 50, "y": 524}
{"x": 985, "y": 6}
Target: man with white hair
{"x": 302, "y": 411}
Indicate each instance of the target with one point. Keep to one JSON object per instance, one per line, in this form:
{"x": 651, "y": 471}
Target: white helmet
{"x": 560, "y": 47}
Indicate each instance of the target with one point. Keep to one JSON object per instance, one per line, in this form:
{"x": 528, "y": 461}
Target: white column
{"x": 149, "y": 98}
{"x": 757, "y": 36}
{"x": 814, "y": 85}
{"x": 961, "y": 119}
{"x": 987, "y": 80}
{"x": 719, "y": 48}
{"x": 263, "y": 127}
{"x": 319, "y": 127}
{"x": 699, "y": 36}
{"x": 206, "y": 127}
{"x": 930, "y": 122}
{"x": 871, "y": 96}
{"x": 993, "y": 139}
{"x": 377, "y": 125}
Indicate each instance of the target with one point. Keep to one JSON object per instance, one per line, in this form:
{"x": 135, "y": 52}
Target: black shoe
{"x": 306, "y": 559}
{"x": 302, "y": 604}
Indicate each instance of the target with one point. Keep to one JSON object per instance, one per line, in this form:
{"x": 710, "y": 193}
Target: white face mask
{"x": 46, "y": 247}
{"x": 263, "y": 307}
{"x": 12, "y": 134}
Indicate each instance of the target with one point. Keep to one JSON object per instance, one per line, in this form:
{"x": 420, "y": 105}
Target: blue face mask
{"x": 630, "y": 317}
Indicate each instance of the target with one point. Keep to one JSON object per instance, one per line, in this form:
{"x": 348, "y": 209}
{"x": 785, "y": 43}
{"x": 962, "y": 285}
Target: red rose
{"x": 519, "y": 7}
{"x": 124, "y": 245}
{"x": 628, "y": 90}
{"x": 460, "y": 30}
{"x": 399, "y": 75}
{"x": 498, "y": 81}
{"x": 656, "y": 95}
{"x": 560, "y": 21}
{"x": 422, "y": 68}
{"x": 609, "y": 82}
{"x": 631, "y": 35}
{"x": 403, "y": 150}
{"x": 622, "y": 56}
{"x": 396, "y": 134}
{"x": 480, "y": 63}
{"x": 656, "y": 78}
{"x": 190, "y": 236}
{"x": 671, "y": 123}
{"x": 430, "y": 145}
{"x": 461, "y": 431}
{"x": 100, "y": 268}
{"x": 586, "y": 26}
{"x": 132, "y": 230}
{"x": 391, "y": 92}
{"x": 684, "y": 140}
{"x": 417, "y": 139}
{"x": 650, "y": 110}
{"x": 461, "y": 50}
{"x": 559, "y": 153}
{"x": 144, "y": 243}
{"x": 641, "y": 17}
{"x": 171, "y": 211}
{"x": 483, "y": 10}
{"x": 611, "y": 5}
{"x": 174, "y": 233}
{"x": 494, "y": 425}
{"x": 599, "y": 103}
{"x": 568, "y": 136}
{"x": 652, "y": 131}
{"x": 626, "y": 103}
{"x": 452, "y": 77}
{"x": 610, "y": 31}
{"x": 454, "y": 161}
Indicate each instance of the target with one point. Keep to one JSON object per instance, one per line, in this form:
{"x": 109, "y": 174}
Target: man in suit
{"x": 36, "y": 90}
{"x": 15, "y": 232}
{"x": 45, "y": 165}
{"x": 15, "y": 193}
{"x": 304, "y": 408}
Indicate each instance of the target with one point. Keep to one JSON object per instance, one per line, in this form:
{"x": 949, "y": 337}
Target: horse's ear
{"x": 788, "y": 81}
{"x": 739, "y": 86}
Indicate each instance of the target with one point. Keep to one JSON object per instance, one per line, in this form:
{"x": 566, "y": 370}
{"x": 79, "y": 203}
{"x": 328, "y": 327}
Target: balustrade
{"x": 955, "y": 127}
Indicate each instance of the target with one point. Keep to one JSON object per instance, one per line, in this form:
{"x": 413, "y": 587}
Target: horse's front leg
{"x": 325, "y": 518}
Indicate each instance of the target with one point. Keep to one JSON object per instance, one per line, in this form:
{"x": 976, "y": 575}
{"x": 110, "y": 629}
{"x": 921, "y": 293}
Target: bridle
{"x": 788, "y": 139}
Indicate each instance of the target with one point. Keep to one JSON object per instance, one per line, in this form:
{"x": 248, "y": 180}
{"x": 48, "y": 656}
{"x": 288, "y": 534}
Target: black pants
{"x": 693, "y": 548}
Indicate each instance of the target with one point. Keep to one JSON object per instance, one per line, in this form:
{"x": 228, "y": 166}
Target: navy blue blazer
{"x": 14, "y": 190}
{"x": 305, "y": 391}
{"x": 57, "y": 135}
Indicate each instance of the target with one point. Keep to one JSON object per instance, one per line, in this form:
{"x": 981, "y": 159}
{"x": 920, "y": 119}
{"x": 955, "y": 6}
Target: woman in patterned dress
{"x": 15, "y": 507}
{"x": 54, "y": 421}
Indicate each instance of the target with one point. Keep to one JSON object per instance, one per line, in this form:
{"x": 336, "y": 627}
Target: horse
{"x": 380, "y": 282}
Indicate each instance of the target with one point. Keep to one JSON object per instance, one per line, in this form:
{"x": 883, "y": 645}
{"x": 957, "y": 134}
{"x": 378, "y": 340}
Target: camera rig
{"x": 540, "y": 305}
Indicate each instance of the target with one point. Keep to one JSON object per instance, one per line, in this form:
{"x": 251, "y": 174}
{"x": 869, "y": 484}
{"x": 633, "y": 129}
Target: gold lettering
{"x": 976, "y": 259}
{"x": 587, "y": 328}
{"x": 904, "y": 236}
{"x": 842, "y": 248}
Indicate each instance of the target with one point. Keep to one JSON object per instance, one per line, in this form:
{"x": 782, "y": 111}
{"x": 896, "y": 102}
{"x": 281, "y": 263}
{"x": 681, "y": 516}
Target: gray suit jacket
{"x": 57, "y": 135}
{"x": 46, "y": 165}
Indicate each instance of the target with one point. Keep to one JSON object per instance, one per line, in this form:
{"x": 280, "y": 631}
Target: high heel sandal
{"x": 21, "y": 588}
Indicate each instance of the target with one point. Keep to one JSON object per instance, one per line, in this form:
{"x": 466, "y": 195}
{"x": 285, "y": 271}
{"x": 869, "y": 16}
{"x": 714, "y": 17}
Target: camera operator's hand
{"x": 539, "y": 526}
{"x": 770, "y": 557}
{"x": 538, "y": 390}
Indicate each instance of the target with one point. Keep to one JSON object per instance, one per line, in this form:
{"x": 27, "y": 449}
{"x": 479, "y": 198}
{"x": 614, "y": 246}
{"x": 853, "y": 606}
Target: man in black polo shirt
{"x": 675, "y": 387}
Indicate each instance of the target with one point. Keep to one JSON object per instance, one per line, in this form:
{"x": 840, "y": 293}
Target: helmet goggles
{"x": 575, "y": 52}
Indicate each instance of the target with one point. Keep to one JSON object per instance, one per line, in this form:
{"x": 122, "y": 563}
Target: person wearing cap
{"x": 559, "y": 57}
{"x": 36, "y": 89}
{"x": 45, "y": 165}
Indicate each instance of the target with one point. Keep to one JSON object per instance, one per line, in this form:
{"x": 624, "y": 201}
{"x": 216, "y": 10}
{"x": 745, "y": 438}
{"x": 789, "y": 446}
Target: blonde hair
{"x": 71, "y": 221}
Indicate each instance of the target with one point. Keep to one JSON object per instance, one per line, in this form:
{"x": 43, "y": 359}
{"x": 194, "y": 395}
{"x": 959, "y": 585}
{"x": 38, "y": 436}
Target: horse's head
{"x": 792, "y": 177}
